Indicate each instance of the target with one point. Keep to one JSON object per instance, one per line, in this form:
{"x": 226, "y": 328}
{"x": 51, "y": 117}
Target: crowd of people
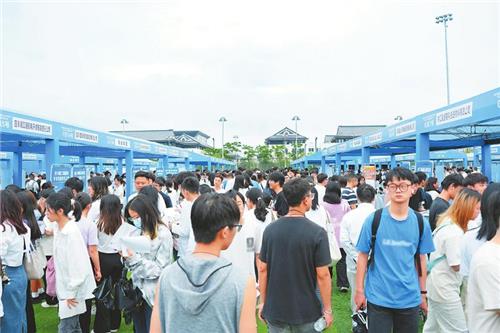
{"x": 201, "y": 251}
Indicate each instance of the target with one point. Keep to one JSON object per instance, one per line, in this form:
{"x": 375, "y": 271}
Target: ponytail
{"x": 260, "y": 210}
{"x": 255, "y": 195}
{"x": 81, "y": 201}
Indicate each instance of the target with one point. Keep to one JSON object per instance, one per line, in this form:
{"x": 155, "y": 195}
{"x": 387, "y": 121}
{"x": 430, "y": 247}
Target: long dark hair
{"x": 239, "y": 183}
{"x": 429, "y": 186}
{"x": 333, "y": 193}
{"x": 149, "y": 215}
{"x": 490, "y": 212}
{"x": 152, "y": 194}
{"x": 256, "y": 197}
{"x": 11, "y": 211}
{"x": 28, "y": 203}
{"x": 82, "y": 200}
{"x": 100, "y": 186}
{"x": 59, "y": 200}
{"x": 110, "y": 214}
{"x": 315, "y": 201}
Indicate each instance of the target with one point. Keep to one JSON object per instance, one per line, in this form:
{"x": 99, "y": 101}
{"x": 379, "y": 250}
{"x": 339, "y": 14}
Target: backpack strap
{"x": 420, "y": 220}
{"x": 375, "y": 224}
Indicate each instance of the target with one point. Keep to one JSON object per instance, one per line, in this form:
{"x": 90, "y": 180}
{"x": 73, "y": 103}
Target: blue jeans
{"x": 286, "y": 328}
{"x": 14, "y": 301}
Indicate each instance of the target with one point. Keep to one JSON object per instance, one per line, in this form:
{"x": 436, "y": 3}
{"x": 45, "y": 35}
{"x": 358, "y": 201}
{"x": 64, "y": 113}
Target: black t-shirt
{"x": 418, "y": 197}
{"x": 438, "y": 206}
{"x": 293, "y": 247}
{"x": 280, "y": 204}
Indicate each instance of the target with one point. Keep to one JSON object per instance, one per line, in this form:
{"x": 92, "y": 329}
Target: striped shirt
{"x": 349, "y": 195}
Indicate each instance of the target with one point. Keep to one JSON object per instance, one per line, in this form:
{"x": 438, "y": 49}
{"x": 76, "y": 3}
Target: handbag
{"x": 104, "y": 293}
{"x": 127, "y": 297}
{"x": 332, "y": 241}
{"x": 34, "y": 261}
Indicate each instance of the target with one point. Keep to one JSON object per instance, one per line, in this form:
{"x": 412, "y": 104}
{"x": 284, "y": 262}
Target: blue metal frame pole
{"x": 51, "y": 155}
{"x": 365, "y": 156}
{"x": 17, "y": 167}
{"x": 423, "y": 147}
{"x": 338, "y": 162}
{"x": 486, "y": 160}
{"x": 323, "y": 164}
{"x": 129, "y": 164}
{"x": 165, "y": 166}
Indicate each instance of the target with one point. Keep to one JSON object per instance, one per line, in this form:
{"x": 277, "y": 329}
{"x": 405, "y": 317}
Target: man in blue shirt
{"x": 394, "y": 291}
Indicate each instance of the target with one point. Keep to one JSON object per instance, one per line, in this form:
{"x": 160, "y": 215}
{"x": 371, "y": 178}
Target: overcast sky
{"x": 183, "y": 64}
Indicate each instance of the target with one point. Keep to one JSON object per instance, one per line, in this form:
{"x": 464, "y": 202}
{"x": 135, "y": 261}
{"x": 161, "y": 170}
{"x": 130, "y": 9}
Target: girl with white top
{"x": 118, "y": 188}
{"x": 483, "y": 299}
{"x": 12, "y": 233}
{"x": 98, "y": 187}
{"x": 241, "y": 252}
{"x": 258, "y": 214}
{"x": 28, "y": 204}
{"x": 146, "y": 268}
{"x": 444, "y": 280}
{"x": 74, "y": 278}
{"x": 110, "y": 220}
{"x": 88, "y": 229}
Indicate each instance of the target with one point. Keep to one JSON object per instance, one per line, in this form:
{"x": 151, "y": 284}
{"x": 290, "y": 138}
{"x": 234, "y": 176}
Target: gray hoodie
{"x": 201, "y": 295}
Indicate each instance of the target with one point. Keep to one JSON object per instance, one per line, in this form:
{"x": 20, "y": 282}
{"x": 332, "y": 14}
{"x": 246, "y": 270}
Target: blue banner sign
{"x": 425, "y": 166}
{"x": 59, "y": 173}
{"x": 80, "y": 171}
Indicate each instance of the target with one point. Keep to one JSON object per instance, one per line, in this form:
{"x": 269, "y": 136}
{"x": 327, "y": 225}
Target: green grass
{"x": 47, "y": 320}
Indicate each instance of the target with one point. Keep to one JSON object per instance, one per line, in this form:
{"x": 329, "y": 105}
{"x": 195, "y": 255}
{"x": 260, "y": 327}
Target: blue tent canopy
{"x": 473, "y": 122}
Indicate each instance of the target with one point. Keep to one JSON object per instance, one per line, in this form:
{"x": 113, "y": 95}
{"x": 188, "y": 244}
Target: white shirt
{"x": 47, "y": 242}
{"x": 95, "y": 211}
{"x": 259, "y": 226}
{"x": 350, "y": 228}
{"x": 321, "y": 191}
{"x": 470, "y": 244}
{"x": 119, "y": 191}
{"x": 318, "y": 216}
{"x": 483, "y": 297}
{"x": 74, "y": 277}
{"x": 105, "y": 244}
{"x": 241, "y": 252}
{"x": 11, "y": 246}
{"x": 443, "y": 283}
{"x": 183, "y": 228}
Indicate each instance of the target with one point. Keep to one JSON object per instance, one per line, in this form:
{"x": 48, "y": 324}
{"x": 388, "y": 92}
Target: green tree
{"x": 280, "y": 156}
{"x": 264, "y": 156}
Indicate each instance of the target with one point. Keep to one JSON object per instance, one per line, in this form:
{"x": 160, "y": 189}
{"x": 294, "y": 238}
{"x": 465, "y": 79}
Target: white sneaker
{"x": 45, "y": 305}
{"x": 35, "y": 294}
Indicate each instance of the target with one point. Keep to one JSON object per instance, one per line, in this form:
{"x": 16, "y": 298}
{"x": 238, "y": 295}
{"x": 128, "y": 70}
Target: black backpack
{"x": 376, "y": 224}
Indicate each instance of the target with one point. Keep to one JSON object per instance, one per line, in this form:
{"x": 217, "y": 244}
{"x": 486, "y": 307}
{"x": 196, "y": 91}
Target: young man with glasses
{"x": 294, "y": 259}
{"x": 394, "y": 290}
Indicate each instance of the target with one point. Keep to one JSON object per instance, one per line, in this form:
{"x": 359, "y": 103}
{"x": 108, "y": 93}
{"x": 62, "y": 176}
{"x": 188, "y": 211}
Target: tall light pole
{"x": 296, "y": 119}
{"x": 222, "y": 120}
{"x": 445, "y": 19}
{"x": 123, "y": 122}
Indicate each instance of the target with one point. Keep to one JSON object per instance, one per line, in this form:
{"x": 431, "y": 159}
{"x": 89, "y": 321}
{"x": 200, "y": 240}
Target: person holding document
{"x": 110, "y": 220}
{"x": 146, "y": 262}
{"x": 74, "y": 277}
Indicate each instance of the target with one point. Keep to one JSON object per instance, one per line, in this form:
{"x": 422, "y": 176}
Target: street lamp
{"x": 123, "y": 122}
{"x": 445, "y": 19}
{"x": 222, "y": 120}
{"x": 296, "y": 119}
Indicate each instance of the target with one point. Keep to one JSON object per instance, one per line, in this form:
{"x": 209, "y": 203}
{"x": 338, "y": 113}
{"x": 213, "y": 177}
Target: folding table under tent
{"x": 22, "y": 133}
{"x": 473, "y": 122}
